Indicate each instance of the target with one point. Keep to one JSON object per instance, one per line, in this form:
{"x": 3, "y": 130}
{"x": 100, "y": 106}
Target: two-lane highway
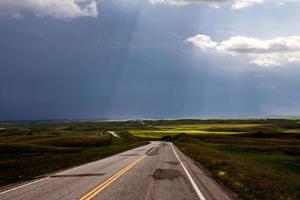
{"x": 155, "y": 171}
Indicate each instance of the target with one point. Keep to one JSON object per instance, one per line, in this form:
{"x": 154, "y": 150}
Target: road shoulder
{"x": 206, "y": 183}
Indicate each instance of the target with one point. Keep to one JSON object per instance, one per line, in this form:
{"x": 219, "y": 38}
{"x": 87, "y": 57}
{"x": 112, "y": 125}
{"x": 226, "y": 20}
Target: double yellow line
{"x": 106, "y": 183}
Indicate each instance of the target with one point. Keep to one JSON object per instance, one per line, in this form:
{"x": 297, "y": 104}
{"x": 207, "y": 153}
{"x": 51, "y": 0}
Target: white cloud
{"x": 214, "y": 3}
{"x": 58, "y": 9}
{"x": 236, "y": 4}
{"x": 202, "y": 41}
{"x": 240, "y": 4}
{"x": 272, "y": 52}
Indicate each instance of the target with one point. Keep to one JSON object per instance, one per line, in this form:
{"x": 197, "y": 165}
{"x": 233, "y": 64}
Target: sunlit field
{"x": 195, "y": 129}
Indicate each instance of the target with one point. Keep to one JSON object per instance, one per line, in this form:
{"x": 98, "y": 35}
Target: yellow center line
{"x": 109, "y": 181}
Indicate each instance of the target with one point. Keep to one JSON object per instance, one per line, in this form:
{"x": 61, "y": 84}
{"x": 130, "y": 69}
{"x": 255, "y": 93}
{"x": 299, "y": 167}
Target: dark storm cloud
{"x": 132, "y": 61}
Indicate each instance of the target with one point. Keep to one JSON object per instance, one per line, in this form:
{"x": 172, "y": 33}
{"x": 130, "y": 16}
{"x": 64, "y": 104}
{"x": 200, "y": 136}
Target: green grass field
{"x": 252, "y": 168}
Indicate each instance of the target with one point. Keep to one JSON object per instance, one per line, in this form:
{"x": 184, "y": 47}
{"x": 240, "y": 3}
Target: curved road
{"x": 155, "y": 171}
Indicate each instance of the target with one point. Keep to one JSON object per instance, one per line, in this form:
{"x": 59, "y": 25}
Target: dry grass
{"x": 252, "y": 171}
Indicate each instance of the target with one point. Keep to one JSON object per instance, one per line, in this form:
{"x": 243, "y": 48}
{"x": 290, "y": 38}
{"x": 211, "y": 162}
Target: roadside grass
{"x": 25, "y": 166}
{"x": 28, "y": 151}
{"x": 74, "y": 141}
{"x": 257, "y": 169}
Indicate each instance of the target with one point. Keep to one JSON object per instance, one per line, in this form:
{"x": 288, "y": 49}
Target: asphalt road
{"x": 155, "y": 171}
{"x": 114, "y": 134}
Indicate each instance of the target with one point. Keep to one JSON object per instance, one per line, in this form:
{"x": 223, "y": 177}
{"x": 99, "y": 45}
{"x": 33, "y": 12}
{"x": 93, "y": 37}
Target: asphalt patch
{"x": 152, "y": 151}
{"x": 161, "y": 174}
{"x": 163, "y": 144}
{"x": 172, "y": 162}
{"x": 149, "y": 150}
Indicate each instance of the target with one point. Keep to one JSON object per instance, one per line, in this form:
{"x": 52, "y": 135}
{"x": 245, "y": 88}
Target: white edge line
{"x": 42, "y": 179}
{"x": 200, "y": 195}
{"x": 21, "y": 186}
{"x": 39, "y": 180}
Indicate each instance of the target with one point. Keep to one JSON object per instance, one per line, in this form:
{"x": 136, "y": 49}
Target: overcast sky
{"x": 148, "y": 58}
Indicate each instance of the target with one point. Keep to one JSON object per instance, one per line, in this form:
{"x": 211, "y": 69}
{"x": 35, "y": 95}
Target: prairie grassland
{"x": 161, "y": 133}
{"x": 252, "y": 174}
{"x": 254, "y": 168}
{"x": 208, "y": 126}
{"x": 256, "y": 158}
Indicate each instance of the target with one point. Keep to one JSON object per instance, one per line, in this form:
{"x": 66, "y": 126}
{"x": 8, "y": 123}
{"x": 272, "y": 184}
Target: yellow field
{"x": 195, "y": 129}
{"x": 297, "y": 131}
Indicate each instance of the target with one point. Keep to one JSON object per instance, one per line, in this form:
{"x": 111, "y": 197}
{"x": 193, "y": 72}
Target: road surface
{"x": 113, "y": 133}
{"x": 157, "y": 171}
